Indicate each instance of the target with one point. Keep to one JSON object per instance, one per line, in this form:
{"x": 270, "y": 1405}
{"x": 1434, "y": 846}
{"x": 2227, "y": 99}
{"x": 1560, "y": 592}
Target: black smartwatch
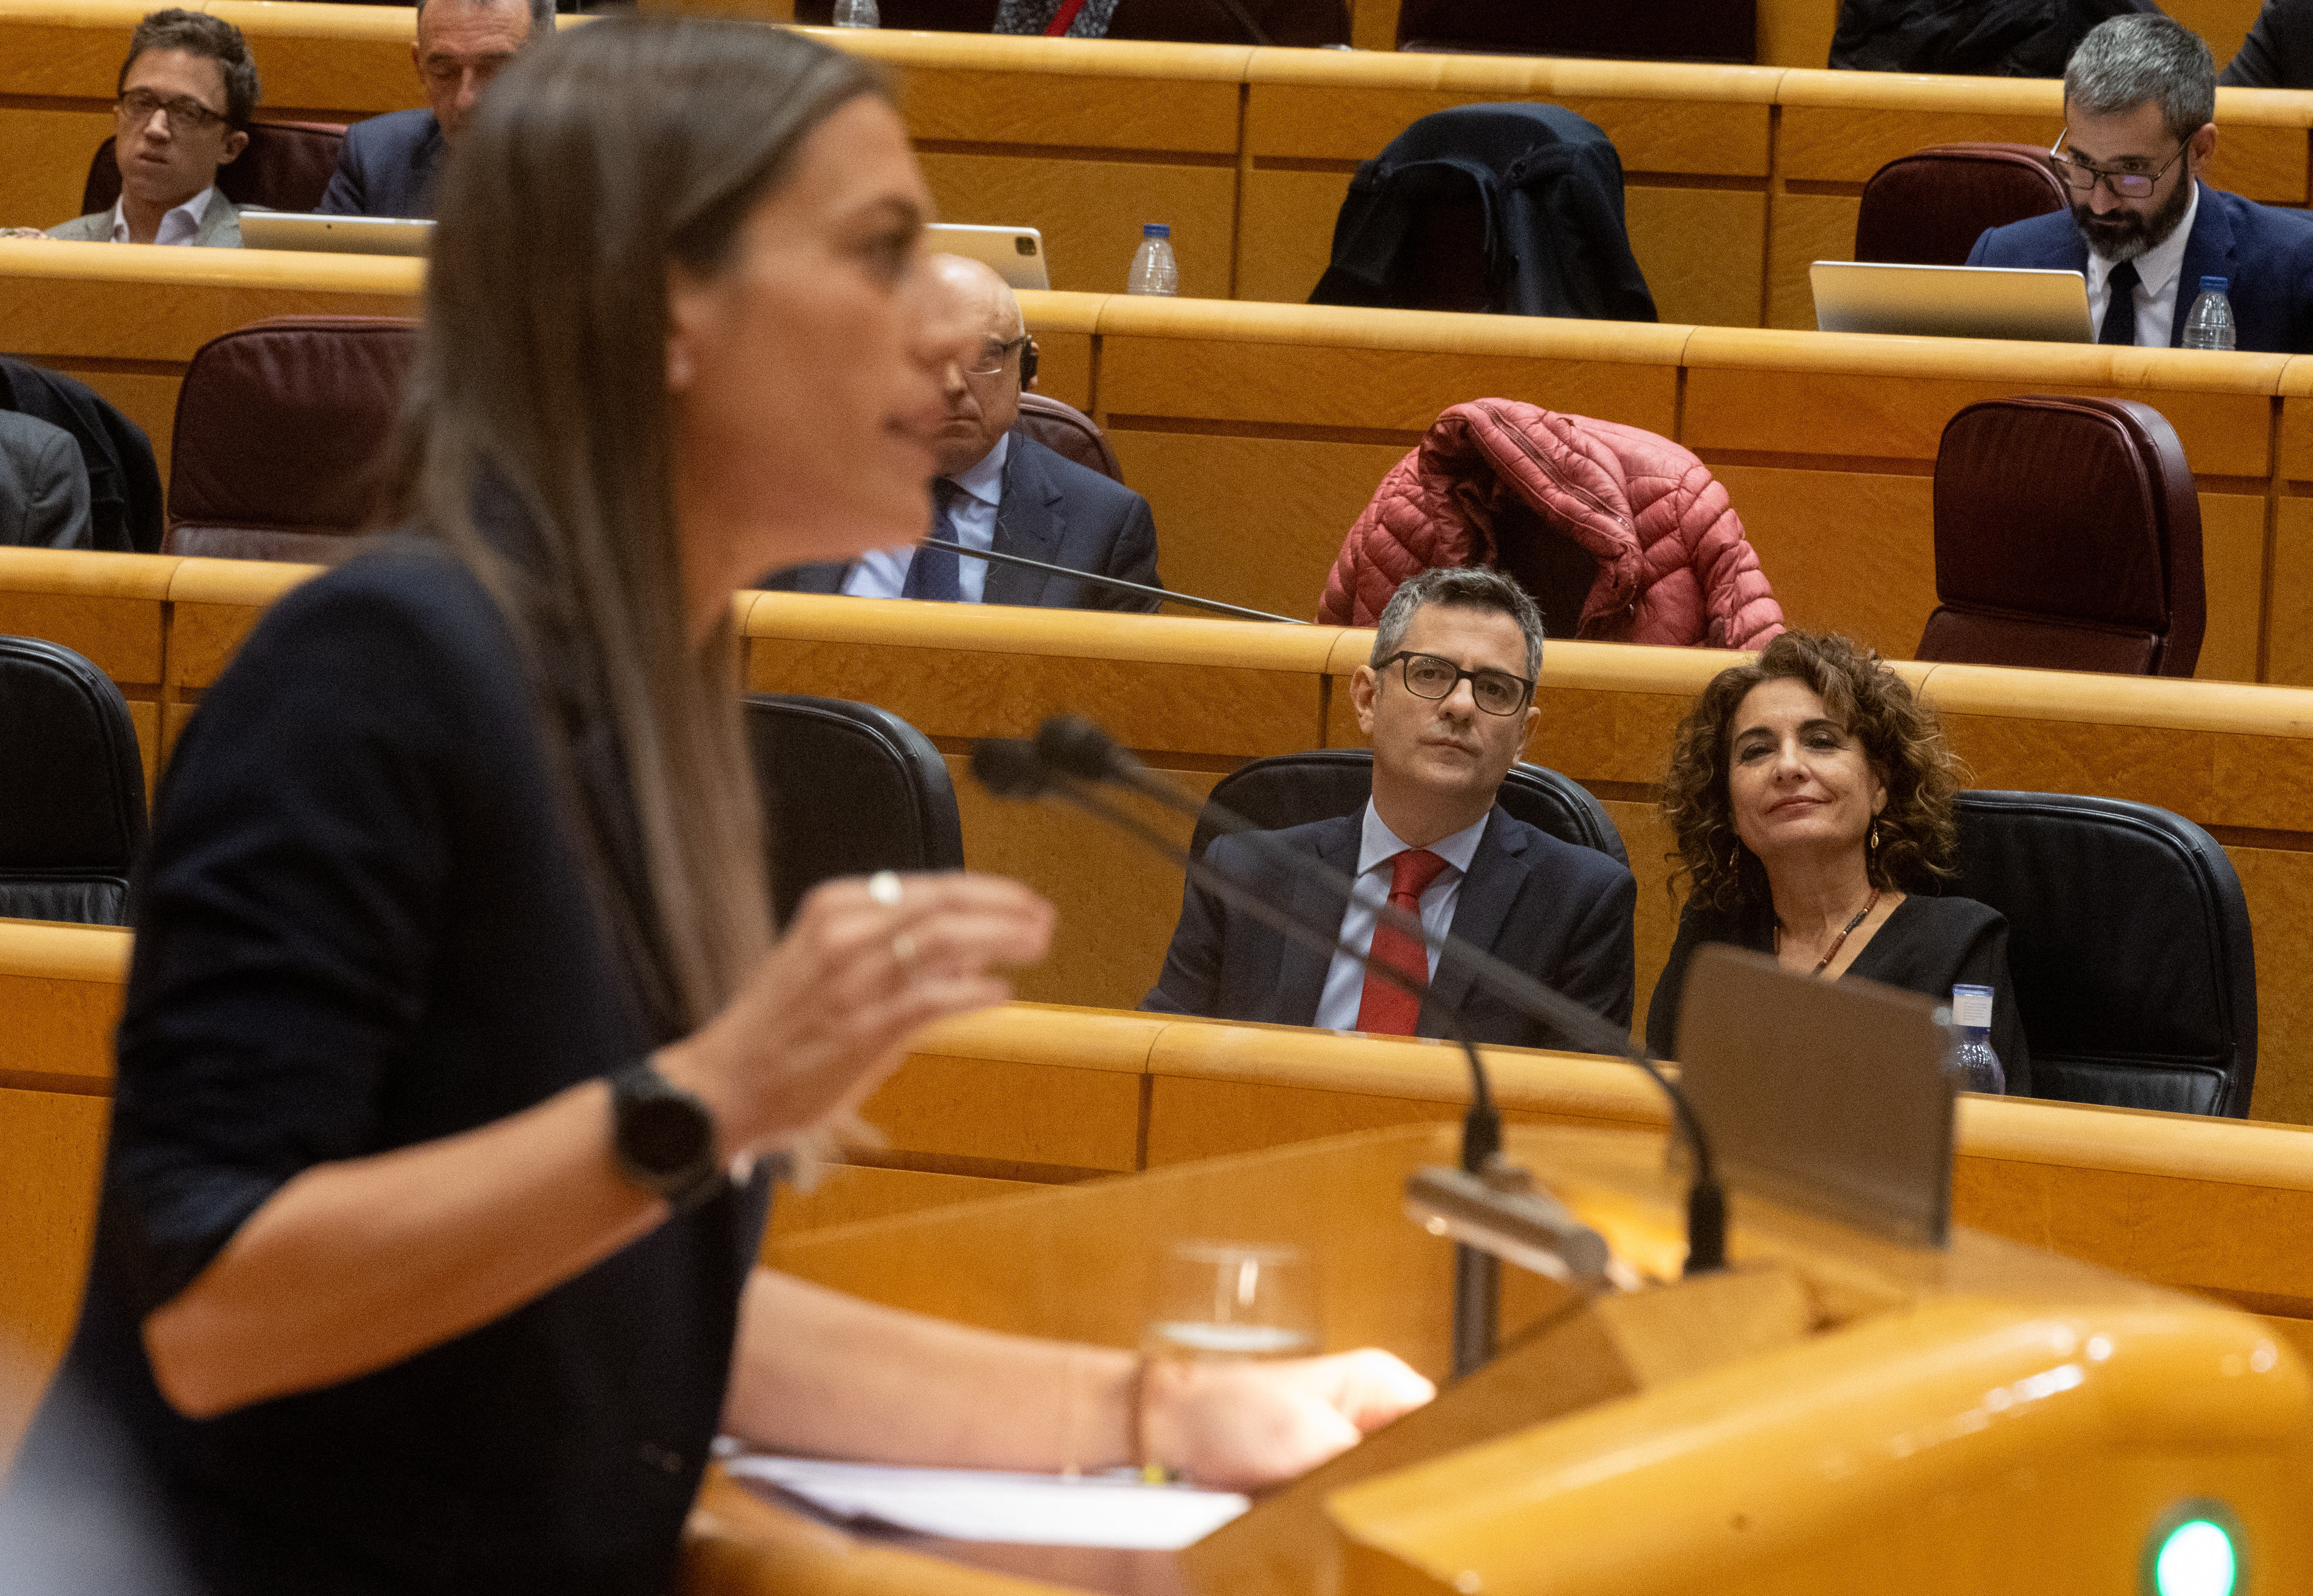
{"x": 663, "y": 1137}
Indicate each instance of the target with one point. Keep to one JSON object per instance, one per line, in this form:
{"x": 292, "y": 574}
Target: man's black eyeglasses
{"x": 2083, "y": 178}
{"x": 1496, "y": 692}
{"x": 138, "y": 107}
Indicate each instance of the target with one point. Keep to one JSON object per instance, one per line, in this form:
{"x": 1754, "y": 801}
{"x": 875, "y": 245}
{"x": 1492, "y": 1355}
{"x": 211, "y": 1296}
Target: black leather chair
{"x": 848, "y": 788}
{"x": 1296, "y": 788}
{"x": 72, "y": 788}
{"x": 2129, "y": 941}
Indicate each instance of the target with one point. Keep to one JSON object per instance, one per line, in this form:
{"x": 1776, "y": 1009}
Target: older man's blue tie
{"x": 2120, "y": 311}
{"x": 935, "y": 572}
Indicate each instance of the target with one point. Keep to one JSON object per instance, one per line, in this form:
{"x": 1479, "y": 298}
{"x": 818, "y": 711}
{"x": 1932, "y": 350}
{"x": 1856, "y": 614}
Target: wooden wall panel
{"x": 1806, "y": 228}
{"x": 1251, "y": 521}
{"x": 49, "y": 151}
{"x": 1847, "y": 552}
{"x": 849, "y": 1192}
{"x": 1117, "y": 902}
{"x": 1703, "y": 250}
{"x": 51, "y": 1150}
{"x": 2232, "y": 567}
{"x": 2279, "y": 886}
{"x": 2289, "y": 649}
{"x": 1091, "y": 212}
{"x": 1284, "y": 232}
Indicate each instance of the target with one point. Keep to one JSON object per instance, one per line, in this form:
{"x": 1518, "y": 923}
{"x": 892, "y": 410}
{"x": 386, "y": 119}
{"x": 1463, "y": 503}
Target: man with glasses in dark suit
{"x": 2139, "y": 107}
{"x": 999, "y": 489}
{"x": 1447, "y": 702}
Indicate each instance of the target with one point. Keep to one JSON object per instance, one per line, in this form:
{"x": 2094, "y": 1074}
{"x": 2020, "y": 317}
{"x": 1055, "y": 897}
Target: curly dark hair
{"x": 1918, "y": 836}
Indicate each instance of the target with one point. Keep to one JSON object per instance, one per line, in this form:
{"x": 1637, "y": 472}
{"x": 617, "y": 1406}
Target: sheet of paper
{"x": 979, "y": 1504}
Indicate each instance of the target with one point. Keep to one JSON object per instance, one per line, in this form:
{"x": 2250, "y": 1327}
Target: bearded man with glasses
{"x": 187, "y": 89}
{"x": 1447, "y": 702}
{"x": 2139, "y": 107}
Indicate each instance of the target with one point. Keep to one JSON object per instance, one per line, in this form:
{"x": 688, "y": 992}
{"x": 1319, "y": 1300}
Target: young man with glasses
{"x": 1447, "y": 702}
{"x": 186, "y": 94}
{"x": 2140, "y": 103}
{"x": 997, "y": 488}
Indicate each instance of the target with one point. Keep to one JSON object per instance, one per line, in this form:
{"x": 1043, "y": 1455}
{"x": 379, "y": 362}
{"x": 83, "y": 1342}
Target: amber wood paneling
{"x": 1251, "y": 521}
{"x": 1806, "y": 228}
{"x": 1285, "y": 231}
{"x": 1703, "y": 250}
{"x": 2279, "y": 886}
{"x": 1090, "y": 212}
{"x": 41, "y": 180}
{"x": 847, "y": 1193}
{"x": 2289, "y": 647}
{"x": 1847, "y": 552}
{"x": 51, "y": 1149}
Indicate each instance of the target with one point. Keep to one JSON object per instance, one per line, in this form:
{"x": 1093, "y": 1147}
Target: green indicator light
{"x": 2197, "y": 1559}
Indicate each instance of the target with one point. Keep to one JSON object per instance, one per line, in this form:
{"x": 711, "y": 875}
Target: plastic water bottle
{"x": 2209, "y": 324}
{"x": 857, "y": 13}
{"x": 1153, "y": 268}
{"x": 1977, "y": 1066}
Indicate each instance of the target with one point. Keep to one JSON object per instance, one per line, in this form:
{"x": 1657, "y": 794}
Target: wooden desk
{"x": 1197, "y": 698}
{"x": 1736, "y": 176}
{"x": 1258, "y": 432}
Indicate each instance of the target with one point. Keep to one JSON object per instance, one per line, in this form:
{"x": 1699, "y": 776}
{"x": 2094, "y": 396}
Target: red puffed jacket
{"x": 1673, "y": 566}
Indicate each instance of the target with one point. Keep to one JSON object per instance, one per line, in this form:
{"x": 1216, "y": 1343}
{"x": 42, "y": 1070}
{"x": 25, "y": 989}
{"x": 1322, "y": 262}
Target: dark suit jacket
{"x": 1054, "y": 510}
{"x": 1558, "y": 911}
{"x": 386, "y": 167}
{"x": 2265, "y": 255}
{"x": 124, "y": 484}
{"x": 2278, "y": 53}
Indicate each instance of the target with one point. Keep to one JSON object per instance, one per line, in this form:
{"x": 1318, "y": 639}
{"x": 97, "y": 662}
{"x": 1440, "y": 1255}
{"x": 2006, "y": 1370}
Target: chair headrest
{"x": 72, "y": 788}
{"x": 279, "y": 424}
{"x": 1929, "y": 208}
{"x": 1068, "y": 432}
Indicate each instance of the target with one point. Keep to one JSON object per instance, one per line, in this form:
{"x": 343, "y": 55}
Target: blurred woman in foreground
{"x": 1811, "y": 795}
{"x": 426, "y": 1248}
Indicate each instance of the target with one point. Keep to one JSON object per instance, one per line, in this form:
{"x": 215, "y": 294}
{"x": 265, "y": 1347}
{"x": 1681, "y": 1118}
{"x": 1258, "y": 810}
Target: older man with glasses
{"x": 1447, "y": 702}
{"x": 186, "y": 94}
{"x": 2140, "y": 104}
{"x": 997, "y": 488}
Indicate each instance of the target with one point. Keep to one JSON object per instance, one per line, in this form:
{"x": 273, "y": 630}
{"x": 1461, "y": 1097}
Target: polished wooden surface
{"x": 1736, "y": 176}
{"x": 1196, "y": 698}
{"x": 1258, "y": 432}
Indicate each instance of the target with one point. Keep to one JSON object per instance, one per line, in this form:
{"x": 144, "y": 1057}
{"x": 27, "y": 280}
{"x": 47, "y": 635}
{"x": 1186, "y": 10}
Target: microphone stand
{"x": 1074, "y": 746}
{"x": 1477, "y": 1275}
{"x": 1119, "y": 582}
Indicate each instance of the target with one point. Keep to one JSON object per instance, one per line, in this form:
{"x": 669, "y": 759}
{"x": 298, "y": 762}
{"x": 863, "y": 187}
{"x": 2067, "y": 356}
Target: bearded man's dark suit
{"x": 1053, "y": 510}
{"x": 1558, "y": 911}
{"x": 2264, "y": 255}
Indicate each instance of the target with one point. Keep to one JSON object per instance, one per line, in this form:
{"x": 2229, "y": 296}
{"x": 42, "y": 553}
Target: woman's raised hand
{"x": 865, "y": 962}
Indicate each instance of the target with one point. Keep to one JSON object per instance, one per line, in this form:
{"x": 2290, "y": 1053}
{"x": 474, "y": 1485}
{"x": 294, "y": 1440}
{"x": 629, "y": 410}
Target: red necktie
{"x": 1385, "y": 1008}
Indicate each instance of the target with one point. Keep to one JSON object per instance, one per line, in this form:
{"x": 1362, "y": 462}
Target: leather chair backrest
{"x": 2129, "y": 941}
{"x": 1639, "y": 29}
{"x": 72, "y": 788}
{"x": 2068, "y": 536}
{"x": 1306, "y": 23}
{"x": 1068, "y": 432}
{"x": 847, "y": 790}
{"x": 278, "y": 427}
{"x": 1929, "y": 208}
{"x": 286, "y": 166}
{"x": 1296, "y": 788}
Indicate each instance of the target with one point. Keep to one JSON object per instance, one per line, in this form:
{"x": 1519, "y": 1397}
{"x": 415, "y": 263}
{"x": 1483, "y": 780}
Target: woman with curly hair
{"x": 1811, "y": 795}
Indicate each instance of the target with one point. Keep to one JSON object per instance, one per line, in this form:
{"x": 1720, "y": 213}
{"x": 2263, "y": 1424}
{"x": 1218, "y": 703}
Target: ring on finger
{"x": 903, "y": 950}
{"x": 884, "y": 887}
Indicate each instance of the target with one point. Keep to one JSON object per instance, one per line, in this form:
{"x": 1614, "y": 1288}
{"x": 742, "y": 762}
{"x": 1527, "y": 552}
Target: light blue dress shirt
{"x": 882, "y": 573}
{"x": 1345, "y": 979}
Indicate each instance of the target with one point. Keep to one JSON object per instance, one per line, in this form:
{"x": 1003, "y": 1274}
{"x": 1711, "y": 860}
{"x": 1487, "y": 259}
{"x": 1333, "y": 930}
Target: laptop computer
{"x": 1951, "y": 301}
{"x": 336, "y": 235}
{"x": 1015, "y": 254}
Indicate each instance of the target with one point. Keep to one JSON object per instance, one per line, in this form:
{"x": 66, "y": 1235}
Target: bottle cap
{"x": 1972, "y": 1008}
{"x": 2212, "y": 285}
{"x": 1155, "y": 230}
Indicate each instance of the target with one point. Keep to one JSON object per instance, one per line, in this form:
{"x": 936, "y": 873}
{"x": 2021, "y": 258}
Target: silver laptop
{"x": 1951, "y": 301}
{"x": 1015, "y": 254}
{"x": 336, "y": 235}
